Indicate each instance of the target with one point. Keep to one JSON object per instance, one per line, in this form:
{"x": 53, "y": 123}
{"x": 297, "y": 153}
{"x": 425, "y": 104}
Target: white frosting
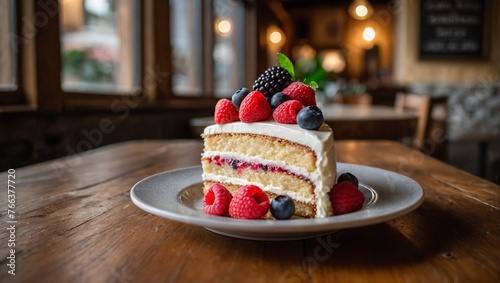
{"x": 317, "y": 140}
{"x": 320, "y": 141}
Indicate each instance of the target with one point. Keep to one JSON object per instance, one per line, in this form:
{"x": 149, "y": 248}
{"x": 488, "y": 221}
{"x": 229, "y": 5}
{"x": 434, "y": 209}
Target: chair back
{"x": 430, "y": 135}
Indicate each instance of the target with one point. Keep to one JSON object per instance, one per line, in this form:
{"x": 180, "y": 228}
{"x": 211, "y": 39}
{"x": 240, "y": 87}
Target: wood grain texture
{"x": 76, "y": 223}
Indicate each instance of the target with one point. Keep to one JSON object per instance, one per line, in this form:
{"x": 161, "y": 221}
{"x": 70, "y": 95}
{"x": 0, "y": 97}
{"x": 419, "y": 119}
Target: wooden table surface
{"x": 75, "y": 222}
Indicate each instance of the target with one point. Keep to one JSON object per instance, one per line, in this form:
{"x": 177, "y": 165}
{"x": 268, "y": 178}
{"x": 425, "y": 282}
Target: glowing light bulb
{"x": 361, "y": 11}
{"x": 224, "y": 26}
{"x": 369, "y": 34}
{"x": 275, "y": 37}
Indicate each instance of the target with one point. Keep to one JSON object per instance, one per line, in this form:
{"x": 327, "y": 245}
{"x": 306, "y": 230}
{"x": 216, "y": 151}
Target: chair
{"x": 386, "y": 94}
{"x": 430, "y": 135}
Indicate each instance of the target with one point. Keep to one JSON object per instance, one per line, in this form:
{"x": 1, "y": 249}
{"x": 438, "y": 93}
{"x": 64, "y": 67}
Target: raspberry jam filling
{"x": 239, "y": 166}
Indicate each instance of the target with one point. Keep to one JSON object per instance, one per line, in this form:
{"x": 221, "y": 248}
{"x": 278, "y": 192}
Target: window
{"x": 67, "y": 54}
{"x": 228, "y": 66}
{"x": 99, "y": 45}
{"x": 186, "y": 43}
{"x": 8, "y": 47}
{"x": 207, "y": 41}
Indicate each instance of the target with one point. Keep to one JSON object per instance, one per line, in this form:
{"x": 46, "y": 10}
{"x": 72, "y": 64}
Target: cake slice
{"x": 282, "y": 159}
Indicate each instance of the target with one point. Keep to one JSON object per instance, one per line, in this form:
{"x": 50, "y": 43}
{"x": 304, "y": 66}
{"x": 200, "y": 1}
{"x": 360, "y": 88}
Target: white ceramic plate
{"x": 178, "y": 195}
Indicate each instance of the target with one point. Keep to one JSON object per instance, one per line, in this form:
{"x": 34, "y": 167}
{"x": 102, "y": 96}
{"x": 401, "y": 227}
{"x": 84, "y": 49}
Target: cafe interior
{"x": 103, "y": 169}
{"x": 78, "y": 75}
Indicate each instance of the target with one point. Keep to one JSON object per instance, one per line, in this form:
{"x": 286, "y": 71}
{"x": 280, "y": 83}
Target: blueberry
{"x": 234, "y": 164}
{"x": 238, "y": 96}
{"x": 278, "y": 98}
{"x": 310, "y": 118}
{"x": 268, "y": 98}
{"x": 282, "y": 207}
{"x": 349, "y": 178}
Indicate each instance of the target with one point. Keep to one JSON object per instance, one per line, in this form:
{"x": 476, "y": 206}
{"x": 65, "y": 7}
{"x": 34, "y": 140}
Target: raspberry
{"x": 273, "y": 80}
{"x": 216, "y": 200}
{"x": 225, "y": 112}
{"x": 255, "y": 108}
{"x": 249, "y": 202}
{"x": 286, "y": 112}
{"x": 345, "y": 198}
{"x": 301, "y": 92}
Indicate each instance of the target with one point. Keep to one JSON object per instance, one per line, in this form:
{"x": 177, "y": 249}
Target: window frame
{"x": 40, "y": 64}
{"x": 48, "y": 54}
{"x": 16, "y": 96}
{"x": 246, "y": 16}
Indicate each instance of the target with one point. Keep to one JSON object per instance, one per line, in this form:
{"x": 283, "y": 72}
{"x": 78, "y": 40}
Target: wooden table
{"x": 369, "y": 121}
{"x": 76, "y": 223}
{"x": 354, "y": 122}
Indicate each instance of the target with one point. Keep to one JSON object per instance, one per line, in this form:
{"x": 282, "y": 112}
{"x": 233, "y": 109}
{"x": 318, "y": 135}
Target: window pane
{"x": 186, "y": 42}
{"x": 8, "y": 46}
{"x": 100, "y": 45}
{"x": 228, "y": 64}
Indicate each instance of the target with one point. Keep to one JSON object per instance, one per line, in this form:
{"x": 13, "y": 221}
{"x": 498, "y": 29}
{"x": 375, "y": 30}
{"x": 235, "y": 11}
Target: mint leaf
{"x": 286, "y": 64}
{"x": 314, "y": 85}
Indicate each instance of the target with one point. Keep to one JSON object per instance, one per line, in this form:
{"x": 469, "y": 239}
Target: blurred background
{"x": 76, "y": 75}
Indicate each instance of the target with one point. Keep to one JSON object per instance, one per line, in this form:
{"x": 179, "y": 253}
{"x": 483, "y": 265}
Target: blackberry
{"x": 273, "y": 80}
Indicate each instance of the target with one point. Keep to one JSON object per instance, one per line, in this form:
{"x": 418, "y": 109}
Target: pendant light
{"x": 360, "y": 9}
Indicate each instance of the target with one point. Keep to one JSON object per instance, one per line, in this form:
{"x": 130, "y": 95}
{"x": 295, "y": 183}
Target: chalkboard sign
{"x": 452, "y": 29}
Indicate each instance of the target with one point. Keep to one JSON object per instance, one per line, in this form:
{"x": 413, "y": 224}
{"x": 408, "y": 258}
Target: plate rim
{"x": 240, "y": 227}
